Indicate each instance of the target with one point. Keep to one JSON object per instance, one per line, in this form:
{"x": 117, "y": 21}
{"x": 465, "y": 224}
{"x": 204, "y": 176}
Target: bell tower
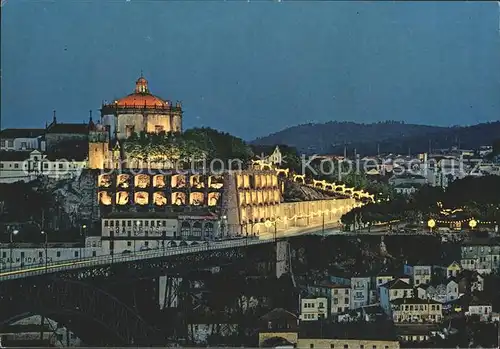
{"x": 98, "y": 145}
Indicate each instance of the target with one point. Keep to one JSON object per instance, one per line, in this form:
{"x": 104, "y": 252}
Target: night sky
{"x": 252, "y": 68}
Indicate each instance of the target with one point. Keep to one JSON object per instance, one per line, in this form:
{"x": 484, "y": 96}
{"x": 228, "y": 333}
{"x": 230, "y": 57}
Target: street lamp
{"x": 12, "y": 234}
{"x": 136, "y": 233}
{"x": 223, "y": 226}
{"x": 431, "y": 223}
{"x": 46, "y": 248}
{"x": 84, "y": 233}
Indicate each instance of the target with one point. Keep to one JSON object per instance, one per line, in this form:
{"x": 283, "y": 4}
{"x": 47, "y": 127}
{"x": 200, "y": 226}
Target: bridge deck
{"x": 71, "y": 264}
{"x": 123, "y": 258}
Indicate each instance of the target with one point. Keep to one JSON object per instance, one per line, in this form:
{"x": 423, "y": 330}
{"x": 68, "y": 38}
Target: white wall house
{"x": 27, "y": 166}
{"x": 138, "y": 231}
{"x": 18, "y": 255}
{"x": 442, "y": 292}
{"x": 13, "y": 139}
{"x": 392, "y": 290}
{"x": 480, "y": 308}
{"x": 360, "y": 292}
{"x": 312, "y": 309}
{"x": 420, "y": 274}
{"x": 339, "y": 295}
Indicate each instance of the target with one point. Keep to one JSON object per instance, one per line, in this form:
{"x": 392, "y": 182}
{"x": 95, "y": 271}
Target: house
{"x": 58, "y": 133}
{"x": 416, "y": 310}
{"x": 441, "y": 291}
{"x": 447, "y": 269}
{"x": 416, "y": 333}
{"x": 312, "y": 309}
{"x": 348, "y": 336}
{"x": 22, "y": 139}
{"x": 407, "y": 189}
{"x": 385, "y": 277}
{"x": 26, "y": 166}
{"x": 420, "y": 274}
{"x": 407, "y": 178}
{"x": 481, "y": 255}
{"x": 339, "y": 295}
{"x": 452, "y": 269}
{"x": 278, "y": 324}
{"x": 360, "y": 292}
{"x": 482, "y": 309}
{"x": 393, "y": 290}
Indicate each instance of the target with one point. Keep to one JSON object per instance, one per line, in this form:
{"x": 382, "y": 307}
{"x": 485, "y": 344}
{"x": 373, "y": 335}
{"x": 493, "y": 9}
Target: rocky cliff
{"x": 300, "y": 192}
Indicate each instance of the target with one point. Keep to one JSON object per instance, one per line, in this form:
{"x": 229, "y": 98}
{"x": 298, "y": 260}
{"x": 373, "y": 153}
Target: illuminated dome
{"x": 142, "y": 97}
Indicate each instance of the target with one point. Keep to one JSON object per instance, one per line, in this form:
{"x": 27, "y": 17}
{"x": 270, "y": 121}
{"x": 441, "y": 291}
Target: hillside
{"x": 394, "y": 137}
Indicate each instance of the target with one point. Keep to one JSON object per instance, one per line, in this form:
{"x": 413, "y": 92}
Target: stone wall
{"x": 147, "y": 122}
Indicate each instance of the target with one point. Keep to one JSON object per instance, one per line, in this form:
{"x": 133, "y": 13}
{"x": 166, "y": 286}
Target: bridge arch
{"x": 94, "y": 315}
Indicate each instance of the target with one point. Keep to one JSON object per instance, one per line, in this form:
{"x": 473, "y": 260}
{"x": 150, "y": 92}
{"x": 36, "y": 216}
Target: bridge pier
{"x": 282, "y": 258}
{"x": 168, "y": 287}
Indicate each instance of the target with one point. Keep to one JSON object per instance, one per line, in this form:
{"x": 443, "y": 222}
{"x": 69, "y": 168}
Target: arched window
{"x": 197, "y": 230}
{"x": 185, "y": 229}
{"x": 209, "y": 230}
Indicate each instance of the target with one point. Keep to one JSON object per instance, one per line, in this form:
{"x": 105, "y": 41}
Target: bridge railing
{"x": 121, "y": 258}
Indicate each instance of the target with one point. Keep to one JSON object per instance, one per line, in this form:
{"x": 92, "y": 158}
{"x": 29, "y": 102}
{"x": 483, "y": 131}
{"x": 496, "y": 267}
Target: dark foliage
{"x": 477, "y": 196}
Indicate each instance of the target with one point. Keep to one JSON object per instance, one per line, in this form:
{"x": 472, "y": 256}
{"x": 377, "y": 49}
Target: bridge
{"x": 91, "y": 296}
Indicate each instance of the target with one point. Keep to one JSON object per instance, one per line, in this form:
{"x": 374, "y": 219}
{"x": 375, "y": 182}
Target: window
{"x": 106, "y": 223}
{"x": 129, "y": 243}
{"x": 4, "y": 254}
{"x": 346, "y": 291}
{"x": 346, "y": 346}
{"x": 94, "y": 253}
{"x": 1, "y": 165}
{"x": 24, "y": 145}
{"x": 311, "y": 346}
{"x": 40, "y": 254}
{"x": 60, "y": 165}
{"x": 16, "y": 165}
{"x": 361, "y": 346}
{"x": 10, "y": 143}
{"x": 146, "y": 243}
{"x": 58, "y": 254}
{"x": 2, "y": 143}
{"x": 346, "y": 300}
{"x": 76, "y": 253}
{"x": 332, "y": 346}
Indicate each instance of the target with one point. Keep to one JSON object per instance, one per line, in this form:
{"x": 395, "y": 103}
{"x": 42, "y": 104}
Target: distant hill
{"x": 389, "y": 136}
